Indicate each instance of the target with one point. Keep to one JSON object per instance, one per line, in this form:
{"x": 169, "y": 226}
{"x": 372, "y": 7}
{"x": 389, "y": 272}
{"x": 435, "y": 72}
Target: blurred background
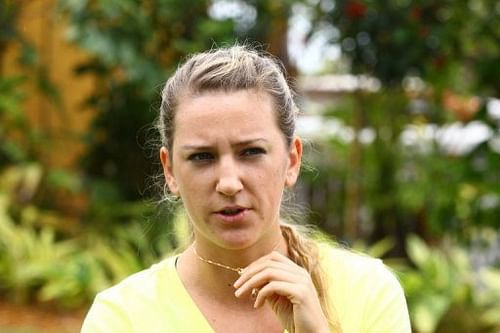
{"x": 400, "y": 112}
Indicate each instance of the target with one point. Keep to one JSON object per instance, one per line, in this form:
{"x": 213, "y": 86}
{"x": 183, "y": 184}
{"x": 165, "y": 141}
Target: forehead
{"x": 241, "y": 114}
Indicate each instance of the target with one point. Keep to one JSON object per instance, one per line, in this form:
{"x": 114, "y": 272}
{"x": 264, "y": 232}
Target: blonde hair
{"x": 238, "y": 68}
{"x": 228, "y": 69}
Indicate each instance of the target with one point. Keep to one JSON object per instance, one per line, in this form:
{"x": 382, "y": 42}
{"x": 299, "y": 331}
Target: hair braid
{"x": 305, "y": 253}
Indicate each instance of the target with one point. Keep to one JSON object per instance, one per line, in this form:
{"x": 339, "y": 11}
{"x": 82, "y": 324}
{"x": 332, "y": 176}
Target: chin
{"x": 237, "y": 240}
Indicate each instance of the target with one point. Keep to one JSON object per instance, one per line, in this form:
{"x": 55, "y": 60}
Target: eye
{"x": 201, "y": 157}
{"x": 253, "y": 151}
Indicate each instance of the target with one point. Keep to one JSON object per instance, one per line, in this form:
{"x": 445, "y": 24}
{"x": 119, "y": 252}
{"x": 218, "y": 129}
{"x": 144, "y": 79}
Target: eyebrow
{"x": 237, "y": 144}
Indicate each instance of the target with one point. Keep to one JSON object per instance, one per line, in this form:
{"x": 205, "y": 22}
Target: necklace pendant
{"x": 239, "y": 271}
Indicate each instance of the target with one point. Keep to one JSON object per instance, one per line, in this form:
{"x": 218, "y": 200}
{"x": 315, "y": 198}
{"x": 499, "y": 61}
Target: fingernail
{"x": 237, "y": 293}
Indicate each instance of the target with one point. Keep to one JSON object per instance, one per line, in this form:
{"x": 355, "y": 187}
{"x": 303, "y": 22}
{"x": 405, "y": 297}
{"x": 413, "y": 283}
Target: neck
{"x": 214, "y": 271}
{"x": 235, "y": 260}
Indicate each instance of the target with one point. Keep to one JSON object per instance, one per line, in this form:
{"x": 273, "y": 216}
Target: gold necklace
{"x": 238, "y": 270}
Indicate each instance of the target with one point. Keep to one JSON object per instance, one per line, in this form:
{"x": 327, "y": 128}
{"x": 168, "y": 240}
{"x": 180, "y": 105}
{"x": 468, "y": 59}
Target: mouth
{"x": 231, "y": 211}
{"x": 232, "y": 214}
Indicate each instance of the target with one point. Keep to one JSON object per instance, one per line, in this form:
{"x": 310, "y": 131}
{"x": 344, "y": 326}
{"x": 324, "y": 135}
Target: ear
{"x": 167, "y": 170}
{"x": 294, "y": 162}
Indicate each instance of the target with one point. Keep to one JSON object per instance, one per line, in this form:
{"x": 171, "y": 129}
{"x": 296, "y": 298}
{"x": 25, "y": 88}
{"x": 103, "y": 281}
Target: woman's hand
{"x": 288, "y": 289}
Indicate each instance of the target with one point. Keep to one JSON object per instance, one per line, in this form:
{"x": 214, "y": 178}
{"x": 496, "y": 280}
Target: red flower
{"x": 355, "y": 9}
{"x": 416, "y": 14}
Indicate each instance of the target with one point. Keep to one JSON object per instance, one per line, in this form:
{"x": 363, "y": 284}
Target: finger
{"x": 254, "y": 269}
{"x": 269, "y": 271}
{"x": 272, "y": 256}
{"x": 276, "y": 261}
{"x": 293, "y": 292}
{"x": 270, "y": 274}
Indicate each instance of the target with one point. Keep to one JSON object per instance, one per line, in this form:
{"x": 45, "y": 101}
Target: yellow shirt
{"x": 366, "y": 296}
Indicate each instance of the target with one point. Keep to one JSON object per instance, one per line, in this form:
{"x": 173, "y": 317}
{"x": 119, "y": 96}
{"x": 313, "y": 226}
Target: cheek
{"x": 271, "y": 176}
{"x": 183, "y": 180}
{"x": 272, "y": 183}
{"x": 195, "y": 187}
{"x": 190, "y": 185}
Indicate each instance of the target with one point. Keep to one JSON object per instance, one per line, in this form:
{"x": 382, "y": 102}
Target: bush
{"x": 445, "y": 294}
{"x": 39, "y": 263}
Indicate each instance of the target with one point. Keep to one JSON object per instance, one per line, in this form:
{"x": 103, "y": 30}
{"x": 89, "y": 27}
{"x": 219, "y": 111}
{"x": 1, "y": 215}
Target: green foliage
{"x": 19, "y": 137}
{"x": 402, "y": 187}
{"x": 442, "y": 290}
{"x": 37, "y": 262}
{"x": 9, "y": 32}
{"x": 12, "y": 121}
{"x": 393, "y": 187}
{"x": 392, "y": 39}
{"x": 376, "y": 250}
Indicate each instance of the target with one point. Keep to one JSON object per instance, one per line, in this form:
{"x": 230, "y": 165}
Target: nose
{"x": 229, "y": 181}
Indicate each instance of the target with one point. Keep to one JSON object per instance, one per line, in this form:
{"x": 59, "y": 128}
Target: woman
{"x": 228, "y": 152}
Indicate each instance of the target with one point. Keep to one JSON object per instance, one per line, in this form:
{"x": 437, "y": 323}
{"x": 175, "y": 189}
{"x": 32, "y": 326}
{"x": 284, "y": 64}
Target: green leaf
{"x": 429, "y": 311}
{"x": 418, "y": 251}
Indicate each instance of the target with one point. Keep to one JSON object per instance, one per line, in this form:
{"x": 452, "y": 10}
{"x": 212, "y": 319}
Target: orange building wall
{"x": 65, "y": 125}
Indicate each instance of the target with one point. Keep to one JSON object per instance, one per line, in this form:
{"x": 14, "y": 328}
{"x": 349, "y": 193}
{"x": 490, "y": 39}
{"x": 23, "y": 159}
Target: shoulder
{"x": 365, "y": 292}
{"x": 354, "y": 266}
{"x": 143, "y": 286}
{"x": 145, "y": 282}
{"x": 117, "y": 308}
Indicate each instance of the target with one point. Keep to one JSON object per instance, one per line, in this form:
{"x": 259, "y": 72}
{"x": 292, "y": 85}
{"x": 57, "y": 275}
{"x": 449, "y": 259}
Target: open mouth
{"x": 231, "y": 211}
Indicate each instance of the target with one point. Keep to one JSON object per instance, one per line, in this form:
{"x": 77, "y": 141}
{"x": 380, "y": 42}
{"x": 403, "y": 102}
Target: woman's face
{"x": 229, "y": 164}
